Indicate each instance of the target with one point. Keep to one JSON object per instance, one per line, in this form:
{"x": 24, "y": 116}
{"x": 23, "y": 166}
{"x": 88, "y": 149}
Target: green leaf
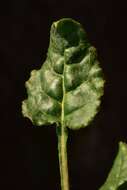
{"x": 118, "y": 174}
{"x": 68, "y": 87}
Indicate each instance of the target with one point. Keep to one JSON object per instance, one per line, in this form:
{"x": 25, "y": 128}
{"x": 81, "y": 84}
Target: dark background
{"x": 28, "y": 154}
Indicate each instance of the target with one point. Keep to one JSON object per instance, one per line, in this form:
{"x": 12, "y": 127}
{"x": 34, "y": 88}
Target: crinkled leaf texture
{"x": 118, "y": 174}
{"x": 69, "y": 84}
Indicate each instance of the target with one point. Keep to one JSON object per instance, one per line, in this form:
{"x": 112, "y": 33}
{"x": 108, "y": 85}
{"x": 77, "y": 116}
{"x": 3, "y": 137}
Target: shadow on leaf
{"x": 123, "y": 186}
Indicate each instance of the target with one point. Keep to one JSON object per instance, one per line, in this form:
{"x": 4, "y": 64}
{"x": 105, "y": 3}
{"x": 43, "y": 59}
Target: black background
{"x": 28, "y": 154}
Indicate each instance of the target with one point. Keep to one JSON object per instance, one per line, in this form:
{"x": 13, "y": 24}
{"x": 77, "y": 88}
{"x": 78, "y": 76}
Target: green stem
{"x": 62, "y": 144}
{"x": 63, "y": 163}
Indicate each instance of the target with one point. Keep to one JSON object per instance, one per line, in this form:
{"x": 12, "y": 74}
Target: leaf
{"x": 118, "y": 174}
{"x": 68, "y": 87}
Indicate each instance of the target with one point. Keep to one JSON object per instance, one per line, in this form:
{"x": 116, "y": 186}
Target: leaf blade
{"x": 69, "y": 85}
{"x": 118, "y": 173}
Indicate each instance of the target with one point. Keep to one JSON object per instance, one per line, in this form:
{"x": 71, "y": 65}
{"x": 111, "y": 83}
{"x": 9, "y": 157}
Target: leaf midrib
{"x": 63, "y": 99}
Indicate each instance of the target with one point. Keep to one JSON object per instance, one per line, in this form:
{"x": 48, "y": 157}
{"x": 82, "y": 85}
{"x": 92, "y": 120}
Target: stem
{"x": 63, "y": 163}
{"x": 62, "y": 144}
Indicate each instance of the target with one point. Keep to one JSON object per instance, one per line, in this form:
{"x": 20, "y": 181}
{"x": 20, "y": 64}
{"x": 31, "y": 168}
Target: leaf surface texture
{"x": 69, "y": 84}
